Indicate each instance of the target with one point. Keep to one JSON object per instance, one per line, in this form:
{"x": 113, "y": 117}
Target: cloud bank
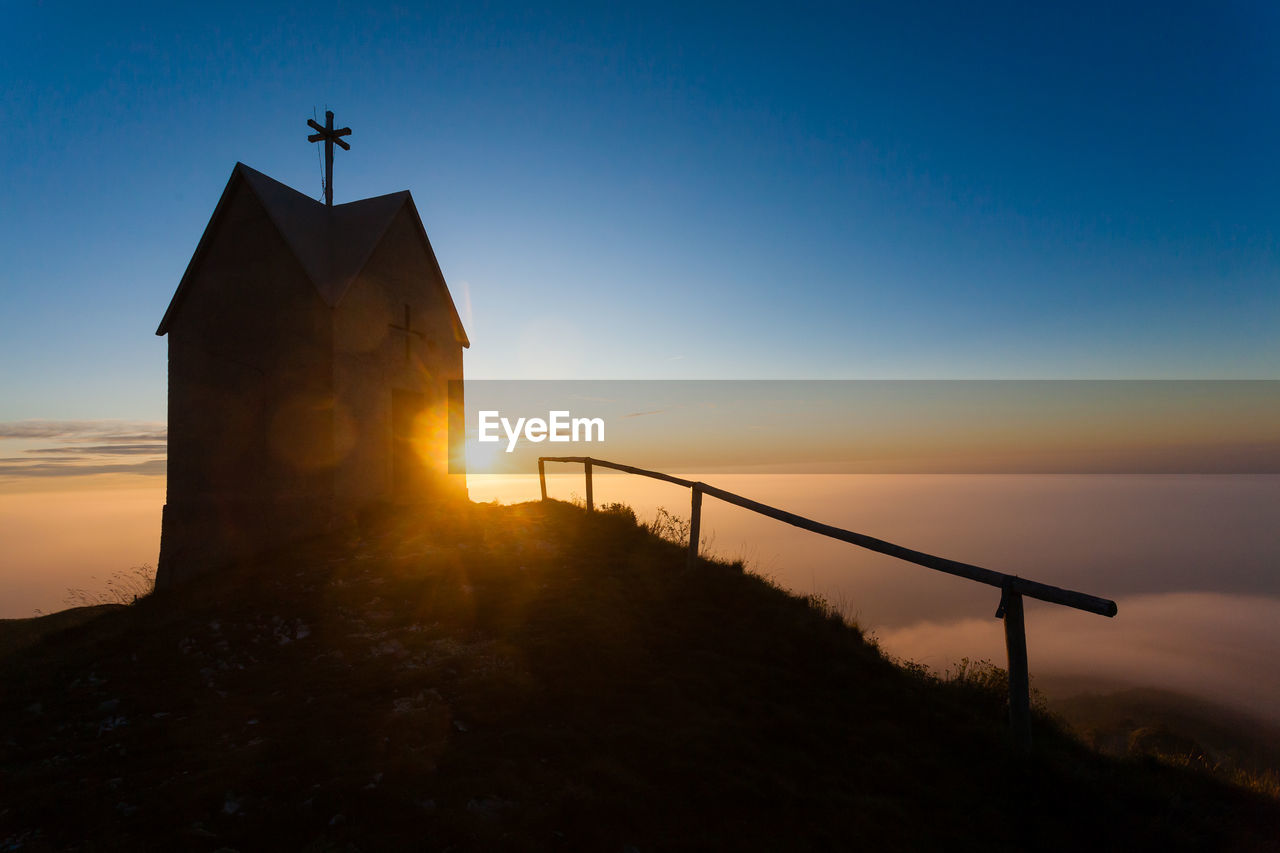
{"x": 81, "y": 447}
{"x": 1223, "y": 648}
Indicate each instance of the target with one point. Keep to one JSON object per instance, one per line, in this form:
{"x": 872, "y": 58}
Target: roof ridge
{"x": 370, "y": 198}
{"x": 248, "y": 171}
{"x": 331, "y": 244}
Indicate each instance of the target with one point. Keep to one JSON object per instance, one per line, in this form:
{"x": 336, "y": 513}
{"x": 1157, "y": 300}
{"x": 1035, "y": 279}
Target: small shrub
{"x": 916, "y": 671}
{"x": 985, "y": 678}
{"x": 669, "y": 526}
{"x": 979, "y": 675}
{"x": 620, "y": 510}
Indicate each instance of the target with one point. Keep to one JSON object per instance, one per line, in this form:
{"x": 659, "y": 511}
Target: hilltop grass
{"x": 19, "y": 634}
{"x": 539, "y": 678}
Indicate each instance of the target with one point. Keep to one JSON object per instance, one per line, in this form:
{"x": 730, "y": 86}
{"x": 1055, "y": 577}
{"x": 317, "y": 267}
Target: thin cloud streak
{"x": 8, "y": 468}
{"x": 96, "y": 430}
{"x": 158, "y": 448}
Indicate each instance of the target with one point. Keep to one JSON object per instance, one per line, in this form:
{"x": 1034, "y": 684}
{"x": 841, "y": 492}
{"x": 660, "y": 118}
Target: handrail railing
{"x": 1012, "y": 587}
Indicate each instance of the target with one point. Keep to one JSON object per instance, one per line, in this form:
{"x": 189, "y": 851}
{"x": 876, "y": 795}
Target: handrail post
{"x": 695, "y": 525}
{"x": 1015, "y": 643}
{"x": 591, "y": 503}
{"x": 542, "y": 477}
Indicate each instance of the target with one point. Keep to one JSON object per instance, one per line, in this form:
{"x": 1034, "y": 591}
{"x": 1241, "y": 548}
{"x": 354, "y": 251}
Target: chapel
{"x": 315, "y": 373}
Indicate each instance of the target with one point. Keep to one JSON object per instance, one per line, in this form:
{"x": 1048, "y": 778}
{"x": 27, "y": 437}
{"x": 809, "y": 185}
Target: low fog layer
{"x": 1220, "y": 647}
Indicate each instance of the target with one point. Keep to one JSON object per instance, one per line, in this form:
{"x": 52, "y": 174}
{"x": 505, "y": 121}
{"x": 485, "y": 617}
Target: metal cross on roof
{"x": 330, "y": 136}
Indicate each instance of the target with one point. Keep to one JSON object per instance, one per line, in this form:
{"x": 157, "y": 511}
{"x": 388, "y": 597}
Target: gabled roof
{"x": 332, "y": 244}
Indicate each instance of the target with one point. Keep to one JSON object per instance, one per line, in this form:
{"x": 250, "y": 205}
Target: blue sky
{"x": 882, "y": 191}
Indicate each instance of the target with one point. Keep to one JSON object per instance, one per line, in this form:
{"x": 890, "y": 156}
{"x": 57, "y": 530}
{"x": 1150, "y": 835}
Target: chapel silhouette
{"x": 315, "y": 367}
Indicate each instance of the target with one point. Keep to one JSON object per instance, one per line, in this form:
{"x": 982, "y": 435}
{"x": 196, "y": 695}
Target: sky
{"x": 896, "y": 190}
{"x": 801, "y": 191}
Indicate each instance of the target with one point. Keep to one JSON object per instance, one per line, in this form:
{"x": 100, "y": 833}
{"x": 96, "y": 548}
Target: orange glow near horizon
{"x": 1148, "y": 540}
{"x": 74, "y": 533}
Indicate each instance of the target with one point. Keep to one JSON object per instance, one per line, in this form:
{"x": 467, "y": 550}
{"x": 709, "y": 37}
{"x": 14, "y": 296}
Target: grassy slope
{"x": 533, "y": 677}
{"x": 18, "y": 634}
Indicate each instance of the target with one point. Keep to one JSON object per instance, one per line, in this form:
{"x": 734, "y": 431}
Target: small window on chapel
{"x": 408, "y": 331}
